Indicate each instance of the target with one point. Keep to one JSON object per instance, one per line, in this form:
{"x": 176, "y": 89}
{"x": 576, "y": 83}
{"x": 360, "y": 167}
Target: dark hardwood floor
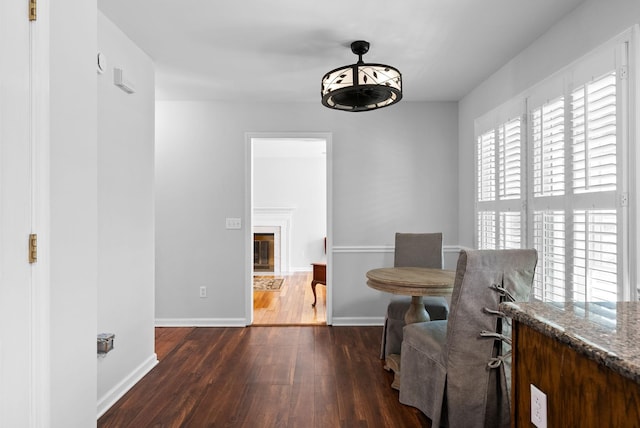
{"x": 298, "y": 376}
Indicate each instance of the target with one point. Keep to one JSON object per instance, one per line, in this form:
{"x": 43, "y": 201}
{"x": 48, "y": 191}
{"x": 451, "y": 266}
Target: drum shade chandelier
{"x": 361, "y": 87}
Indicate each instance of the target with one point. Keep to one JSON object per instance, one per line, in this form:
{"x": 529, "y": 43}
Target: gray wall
{"x": 125, "y": 215}
{"x": 392, "y": 170}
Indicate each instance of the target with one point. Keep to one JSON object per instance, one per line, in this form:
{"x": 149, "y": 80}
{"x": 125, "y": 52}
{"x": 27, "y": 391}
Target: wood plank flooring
{"x": 296, "y": 376}
{"x": 292, "y": 304}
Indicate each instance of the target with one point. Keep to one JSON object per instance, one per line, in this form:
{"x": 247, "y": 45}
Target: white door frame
{"x": 248, "y": 217}
{"x": 24, "y": 196}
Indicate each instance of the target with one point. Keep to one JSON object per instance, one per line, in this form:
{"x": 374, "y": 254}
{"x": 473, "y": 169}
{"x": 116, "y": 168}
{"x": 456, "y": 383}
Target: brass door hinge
{"x": 33, "y": 8}
{"x": 33, "y": 248}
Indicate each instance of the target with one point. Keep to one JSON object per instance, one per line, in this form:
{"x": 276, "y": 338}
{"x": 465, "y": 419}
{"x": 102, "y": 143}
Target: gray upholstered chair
{"x": 457, "y": 372}
{"x": 412, "y": 250}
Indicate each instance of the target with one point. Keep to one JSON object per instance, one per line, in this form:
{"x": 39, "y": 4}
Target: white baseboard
{"x": 201, "y": 322}
{"x": 115, "y": 393}
{"x": 357, "y": 321}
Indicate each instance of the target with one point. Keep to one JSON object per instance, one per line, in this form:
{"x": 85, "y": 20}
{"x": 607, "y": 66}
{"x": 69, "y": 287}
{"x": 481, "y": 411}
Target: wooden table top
{"x": 412, "y": 281}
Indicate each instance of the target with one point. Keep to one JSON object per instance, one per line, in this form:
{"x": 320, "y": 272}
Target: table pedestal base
{"x": 416, "y": 312}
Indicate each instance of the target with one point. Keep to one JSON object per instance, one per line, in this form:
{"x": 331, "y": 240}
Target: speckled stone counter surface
{"x": 608, "y": 333}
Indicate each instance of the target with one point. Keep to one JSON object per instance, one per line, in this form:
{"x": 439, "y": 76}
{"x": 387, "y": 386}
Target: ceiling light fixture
{"x": 361, "y": 87}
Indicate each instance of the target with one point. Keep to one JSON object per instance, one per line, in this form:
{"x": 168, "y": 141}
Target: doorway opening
{"x": 288, "y": 222}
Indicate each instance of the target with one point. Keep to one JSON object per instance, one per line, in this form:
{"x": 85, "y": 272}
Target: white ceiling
{"x": 278, "y": 50}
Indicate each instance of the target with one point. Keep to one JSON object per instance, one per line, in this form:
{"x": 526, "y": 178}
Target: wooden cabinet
{"x": 581, "y": 392}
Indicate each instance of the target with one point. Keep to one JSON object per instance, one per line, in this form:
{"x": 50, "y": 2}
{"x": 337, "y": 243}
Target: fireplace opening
{"x": 263, "y": 252}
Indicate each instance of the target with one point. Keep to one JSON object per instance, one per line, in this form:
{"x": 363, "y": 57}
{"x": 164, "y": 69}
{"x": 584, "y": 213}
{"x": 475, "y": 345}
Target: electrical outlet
{"x": 203, "y": 291}
{"x": 538, "y": 407}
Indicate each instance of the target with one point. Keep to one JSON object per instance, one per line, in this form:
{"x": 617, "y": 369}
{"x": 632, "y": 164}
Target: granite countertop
{"x": 606, "y": 332}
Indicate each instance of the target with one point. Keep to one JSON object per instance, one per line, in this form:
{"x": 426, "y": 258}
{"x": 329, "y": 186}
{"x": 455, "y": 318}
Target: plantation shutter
{"x": 510, "y": 159}
{"x": 549, "y": 238}
{"x": 594, "y": 135}
{"x": 548, "y": 165}
{"x": 487, "y": 228}
{"x": 595, "y": 256}
{"x": 548, "y": 149}
{"x": 575, "y": 174}
{"x": 487, "y": 167}
{"x": 499, "y": 217}
{"x": 510, "y": 230}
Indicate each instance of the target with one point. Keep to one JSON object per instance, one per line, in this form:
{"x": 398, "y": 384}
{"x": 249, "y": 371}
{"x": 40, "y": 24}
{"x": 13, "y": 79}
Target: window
{"x": 566, "y": 144}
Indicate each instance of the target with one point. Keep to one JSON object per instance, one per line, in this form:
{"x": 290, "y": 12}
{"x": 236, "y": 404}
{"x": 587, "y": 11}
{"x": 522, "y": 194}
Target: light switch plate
{"x": 234, "y": 223}
{"x": 538, "y": 407}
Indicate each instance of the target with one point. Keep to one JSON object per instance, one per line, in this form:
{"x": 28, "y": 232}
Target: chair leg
{"x": 392, "y": 363}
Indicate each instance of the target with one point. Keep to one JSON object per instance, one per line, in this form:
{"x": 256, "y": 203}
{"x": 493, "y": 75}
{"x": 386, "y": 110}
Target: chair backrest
{"x": 418, "y": 250}
{"x": 477, "y": 345}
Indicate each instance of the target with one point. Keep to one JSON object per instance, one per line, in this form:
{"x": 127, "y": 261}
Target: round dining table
{"x": 415, "y": 282}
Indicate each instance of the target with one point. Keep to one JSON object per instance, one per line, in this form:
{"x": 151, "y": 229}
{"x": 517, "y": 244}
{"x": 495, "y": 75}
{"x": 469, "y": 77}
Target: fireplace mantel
{"x": 276, "y": 220}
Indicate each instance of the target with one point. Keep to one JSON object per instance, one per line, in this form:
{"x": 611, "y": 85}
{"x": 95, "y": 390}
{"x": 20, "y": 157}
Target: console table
{"x": 319, "y": 277}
